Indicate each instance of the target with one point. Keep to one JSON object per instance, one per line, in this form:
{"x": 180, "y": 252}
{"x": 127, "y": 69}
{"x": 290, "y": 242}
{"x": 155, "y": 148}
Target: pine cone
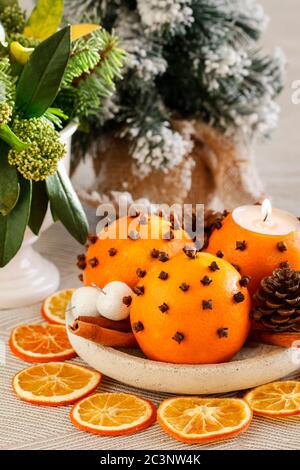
{"x": 278, "y": 301}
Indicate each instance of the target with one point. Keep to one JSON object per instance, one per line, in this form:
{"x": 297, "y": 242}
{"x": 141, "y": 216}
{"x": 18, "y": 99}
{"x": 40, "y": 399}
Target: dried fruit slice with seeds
{"x": 55, "y": 383}
{"x": 41, "y": 343}
{"x": 113, "y": 414}
{"x": 202, "y": 420}
{"x": 275, "y": 399}
{"x": 54, "y": 308}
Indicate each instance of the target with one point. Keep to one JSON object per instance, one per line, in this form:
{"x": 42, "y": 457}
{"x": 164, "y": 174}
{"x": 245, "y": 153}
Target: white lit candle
{"x": 265, "y": 220}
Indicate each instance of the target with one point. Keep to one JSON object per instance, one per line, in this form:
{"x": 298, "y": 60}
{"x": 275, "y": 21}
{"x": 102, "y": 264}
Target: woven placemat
{"x": 25, "y": 426}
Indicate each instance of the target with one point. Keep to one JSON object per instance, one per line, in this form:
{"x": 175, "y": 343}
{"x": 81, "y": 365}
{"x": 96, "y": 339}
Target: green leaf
{"x": 44, "y": 19}
{"x": 41, "y": 77}
{"x": 39, "y": 206}
{"x": 66, "y": 205}
{"x": 13, "y": 225}
{"x": 11, "y": 138}
{"x": 9, "y": 183}
{"x": 53, "y": 214}
{"x": 82, "y": 29}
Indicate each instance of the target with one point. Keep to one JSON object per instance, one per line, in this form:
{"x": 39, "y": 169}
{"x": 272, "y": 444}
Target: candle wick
{"x": 266, "y": 216}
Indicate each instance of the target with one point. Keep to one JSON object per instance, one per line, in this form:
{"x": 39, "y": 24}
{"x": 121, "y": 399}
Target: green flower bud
{"x": 24, "y": 40}
{"x": 5, "y": 113}
{"x": 40, "y": 159}
{"x": 12, "y": 19}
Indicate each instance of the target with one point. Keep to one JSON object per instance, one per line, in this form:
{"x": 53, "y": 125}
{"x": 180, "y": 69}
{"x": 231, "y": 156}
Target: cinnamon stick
{"x": 285, "y": 340}
{"x": 104, "y": 336}
{"x": 121, "y": 325}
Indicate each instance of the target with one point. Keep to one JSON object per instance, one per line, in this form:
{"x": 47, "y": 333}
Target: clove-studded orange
{"x": 197, "y": 312}
{"x": 126, "y": 249}
{"x": 255, "y": 255}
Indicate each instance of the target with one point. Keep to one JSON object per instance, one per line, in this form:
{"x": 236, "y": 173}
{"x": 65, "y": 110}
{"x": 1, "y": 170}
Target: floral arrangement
{"x": 49, "y": 75}
{"x": 189, "y": 59}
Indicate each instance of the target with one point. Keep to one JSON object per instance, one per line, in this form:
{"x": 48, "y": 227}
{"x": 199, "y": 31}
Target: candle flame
{"x": 266, "y": 209}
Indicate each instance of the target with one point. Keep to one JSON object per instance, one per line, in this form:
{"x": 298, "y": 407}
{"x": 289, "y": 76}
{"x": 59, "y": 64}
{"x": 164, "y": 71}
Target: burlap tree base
{"x": 218, "y": 173}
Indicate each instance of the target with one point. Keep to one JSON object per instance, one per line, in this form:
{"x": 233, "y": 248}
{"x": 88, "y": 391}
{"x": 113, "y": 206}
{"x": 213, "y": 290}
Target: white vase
{"x": 29, "y": 278}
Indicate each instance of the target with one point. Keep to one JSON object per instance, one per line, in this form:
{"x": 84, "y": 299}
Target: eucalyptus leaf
{"x": 39, "y": 206}
{"x": 9, "y": 183}
{"x": 41, "y": 77}
{"x": 44, "y": 19}
{"x": 66, "y": 205}
{"x": 13, "y": 225}
{"x": 11, "y": 138}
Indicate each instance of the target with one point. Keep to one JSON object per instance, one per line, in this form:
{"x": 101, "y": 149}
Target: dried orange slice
{"x": 55, "y": 383}
{"x": 275, "y": 399}
{"x": 113, "y": 414}
{"x": 54, "y": 308}
{"x": 41, "y": 343}
{"x": 202, "y": 420}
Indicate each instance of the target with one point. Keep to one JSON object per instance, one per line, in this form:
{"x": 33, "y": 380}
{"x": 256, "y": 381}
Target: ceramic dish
{"x": 254, "y": 365}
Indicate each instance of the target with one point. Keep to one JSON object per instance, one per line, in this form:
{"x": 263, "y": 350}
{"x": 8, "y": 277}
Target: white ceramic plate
{"x": 253, "y": 365}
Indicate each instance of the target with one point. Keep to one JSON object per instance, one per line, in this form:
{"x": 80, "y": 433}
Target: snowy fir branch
{"x": 189, "y": 58}
{"x": 94, "y": 64}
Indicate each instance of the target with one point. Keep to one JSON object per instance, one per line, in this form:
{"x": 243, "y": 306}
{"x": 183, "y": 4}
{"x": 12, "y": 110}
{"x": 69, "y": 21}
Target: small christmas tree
{"x": 190, "y": 59}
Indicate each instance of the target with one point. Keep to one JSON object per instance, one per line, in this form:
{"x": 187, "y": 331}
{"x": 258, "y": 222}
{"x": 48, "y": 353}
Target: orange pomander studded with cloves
{"x": 253, "y": 254}
{"x": 193, "y": 310}
{"x": 133, "y": 245}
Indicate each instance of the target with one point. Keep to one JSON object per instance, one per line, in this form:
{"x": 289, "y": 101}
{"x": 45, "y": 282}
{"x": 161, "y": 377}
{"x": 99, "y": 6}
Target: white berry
{"x": 84, "y": 302}
{"x": 110, "y": 301}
